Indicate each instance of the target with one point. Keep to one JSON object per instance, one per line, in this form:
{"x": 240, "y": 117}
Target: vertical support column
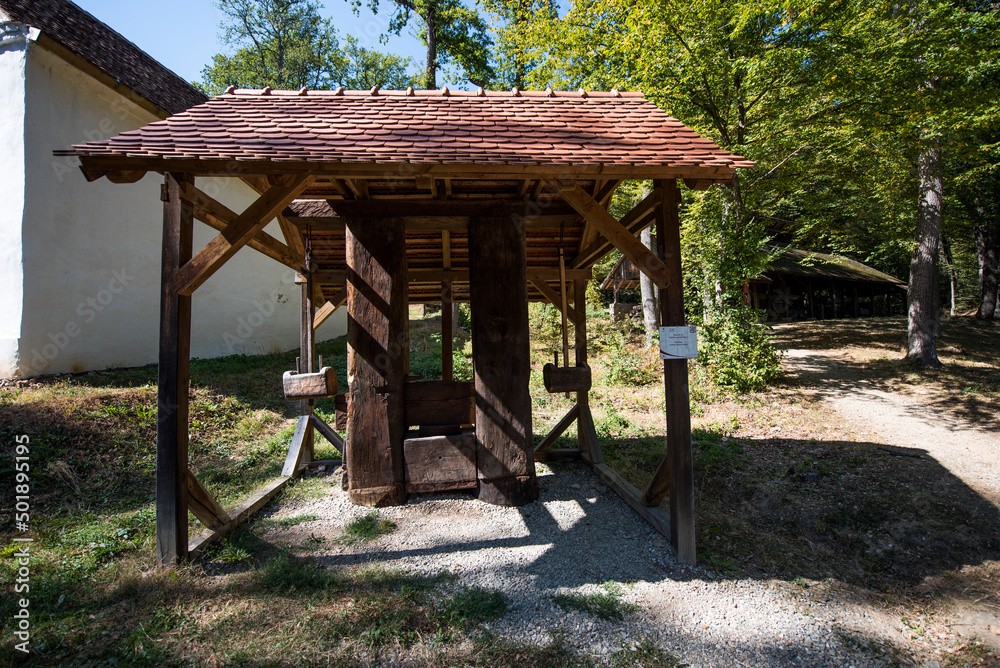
{"x": 174, "y": 378}
{"x": 307, "y": 355}
{"x": 586, "y": 438}
{"x": 675, "y": 378}
{"x": 378, "y": 351}
{"x": 447, "y": 333}
{"x": 502, "y": 361}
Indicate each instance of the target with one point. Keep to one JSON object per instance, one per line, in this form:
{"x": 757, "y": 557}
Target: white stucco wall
{"x": 13, "y": 49}
{"x": 91, "y": 251}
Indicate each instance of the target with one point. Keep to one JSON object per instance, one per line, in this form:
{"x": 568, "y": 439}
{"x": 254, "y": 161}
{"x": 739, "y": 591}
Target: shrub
{"x": 737, "y": 353}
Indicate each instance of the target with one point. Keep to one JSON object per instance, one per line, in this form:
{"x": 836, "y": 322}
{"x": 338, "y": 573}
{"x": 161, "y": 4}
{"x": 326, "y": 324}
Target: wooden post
{"x": 589, "y": 451}
{"x": 678, "y": 461}
{"x": 378, "y": 351}
{"x": 502, "y": 360}
{"x": 447, "y": 333}
{"x": 307, "y": 353}
{"x": 174, "y": 378}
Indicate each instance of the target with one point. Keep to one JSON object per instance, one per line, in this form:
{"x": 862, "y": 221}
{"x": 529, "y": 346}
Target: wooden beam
{"x": 560, "y": 455}
{"x": 196, "y": 548}
{"x": 330, "y": 307}
{"x": 635, "y": 221}
{"x": 586, "y": 434}
{"x": 411, "y": 208}
{"x": 335, "y": 224}
{"x": 174, "y": 378}
{"x": 502, "y": 361}
{"x": 658, "y": 519}
{"x": 293, "y": 459}
{"x": 377, "y": 360}
{"x": 550, "y": 294}
{"x": 675, "y": 475}
{"x": 457, "y": 275}
{"x": 329, "y": 434}
{"x": 203, "y": 504}
{"x": 217, "y": 215}
{"x": 557, "y": 430}
{"x": 208, "y": 260}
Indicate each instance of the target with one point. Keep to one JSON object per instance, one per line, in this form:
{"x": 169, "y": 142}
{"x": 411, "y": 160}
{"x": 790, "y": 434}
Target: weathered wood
{"x": 329, "y": 308}
{"x": 437, "y": 402}
{"x": 432, "y": 487}
{"x": 440, "y": 459}
{"x": 294, "y": 457}
{"x": 319, "y": 385}
{"x": 219, "y": 216}
{"x": 502, "y": 362}
{"x": 203, "y": 505}
{"x": 560, "y": 455}
{"x": 557, "y": 430}
{"x": 377, "y": 359}
{"x": 340, "y": 404}
{"x": 656, "y": 517}
{"x": 449, "y": 208}
{"x": 549, "y": 293}
{"x": 173, "y": 384}
{"x": 196, "y": 548}
{"x": 336, "y": 224}
{"x": 616, "y": 233}
{"x": 566, "y": 378}
{"x": 635, "y": 221}
{"x": 307, "y": 353}
{"x": 583, "y": 396}
{"x": 329, "y": 434}
{"x": 676, "y": 474}
{"x": 455, "y": 275}
{"x": 215, "y": 254}
{"x": 588, "y": 435}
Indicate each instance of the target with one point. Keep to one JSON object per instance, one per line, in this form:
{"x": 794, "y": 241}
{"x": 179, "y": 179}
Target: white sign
{"x": 678, "y": 343}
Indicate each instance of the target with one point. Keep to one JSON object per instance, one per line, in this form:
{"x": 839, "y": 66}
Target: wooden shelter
{"x": 387, "y": 198}
{"x": 803, "y": 285}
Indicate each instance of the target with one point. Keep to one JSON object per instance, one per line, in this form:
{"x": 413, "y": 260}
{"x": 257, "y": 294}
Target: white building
{"x": 79, "y": 262}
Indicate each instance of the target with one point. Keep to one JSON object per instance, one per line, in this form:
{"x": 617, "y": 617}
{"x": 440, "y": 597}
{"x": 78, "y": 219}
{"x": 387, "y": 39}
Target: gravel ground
{"x": 578, "y": 536}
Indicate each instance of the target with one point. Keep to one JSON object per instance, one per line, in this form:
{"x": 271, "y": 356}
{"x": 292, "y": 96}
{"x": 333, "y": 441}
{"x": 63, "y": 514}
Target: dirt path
{"x": 969, "y": 451}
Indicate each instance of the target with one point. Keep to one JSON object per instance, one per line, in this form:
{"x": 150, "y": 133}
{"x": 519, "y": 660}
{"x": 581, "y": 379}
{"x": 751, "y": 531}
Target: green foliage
{"x": 367, "y": 527}
{"x": 606, "y": 605}
{"x": 545, "y": 323}
{"x": 737, "y": 352}
{"x": 286, "y": 44}
{"x": 628, "y": 365}
{"x": 462, "y": 362}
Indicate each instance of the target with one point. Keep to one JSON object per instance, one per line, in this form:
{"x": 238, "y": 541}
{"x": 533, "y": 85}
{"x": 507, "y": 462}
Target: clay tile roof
{"x": 85, "y": 36}
{"x": 532, "y": 127}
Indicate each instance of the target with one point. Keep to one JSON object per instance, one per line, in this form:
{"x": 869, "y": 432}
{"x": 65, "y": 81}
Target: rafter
{"x": 636, "y": 220}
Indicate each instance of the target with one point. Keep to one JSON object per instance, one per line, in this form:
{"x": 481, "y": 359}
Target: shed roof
{"x": 580, "y": 132}
{"x": 106, "y": 50}
{"x": 791, "y": 261}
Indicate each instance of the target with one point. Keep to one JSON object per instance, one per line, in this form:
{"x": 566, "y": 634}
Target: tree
{"x": 286, "y": 44}
{"x": 513, "y": 20}
{"x": 452, "y": 33}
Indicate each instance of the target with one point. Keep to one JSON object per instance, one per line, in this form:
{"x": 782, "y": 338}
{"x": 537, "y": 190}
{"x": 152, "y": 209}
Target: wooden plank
{"x": 450, "y": 208}
{"x": 502, "y": 360}
{"x": 456, "y": 275}
{"x": 636, "y": 220}
{"x": 440, "y": 459}
{"x": 587, "y": 434}
{"x": 549, "y": 293}
{"x": 330, "y": 464}
{"x": 174, "y": 378}
{"x": 330, "y": 307}
{"x": 656, "y": 517}
{"x": 219, "y": 216}
{"x": 208, "y": 260}
{"x": 616, "y": 233}
{"x": 294, "y": 457}
{"x": 377, "y": 359}
{"x": 336, "y": 225}
{"x": 435, "y": 402}
{"x": 432, "y": 487}
{"x": 557, "y": 430}
{"x": 203, "y": 504}
{"x": 675, "y": 475}
{"x": 329, "y": 434}
{"x": 560, "y": 455}
{"x": 197, "y": 546}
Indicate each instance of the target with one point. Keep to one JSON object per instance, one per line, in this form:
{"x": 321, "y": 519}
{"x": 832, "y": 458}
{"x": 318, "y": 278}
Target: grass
{"x": 785, "y": 492}
{"x": 366, "y": 528}
{"x": 605, "y": 604}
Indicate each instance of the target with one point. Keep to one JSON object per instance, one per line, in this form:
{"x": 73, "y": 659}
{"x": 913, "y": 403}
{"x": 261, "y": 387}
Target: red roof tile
{"x": 618, "y": 129}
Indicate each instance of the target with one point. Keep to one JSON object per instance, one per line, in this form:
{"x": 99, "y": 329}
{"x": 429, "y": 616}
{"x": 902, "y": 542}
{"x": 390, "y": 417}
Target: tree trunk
{"x": 649, "y": 295}
{"x": 430, "y": 81}
{"x": 952, "y": 274}
{"x": 988, "y": 247}
{"x": 922, "y": 299}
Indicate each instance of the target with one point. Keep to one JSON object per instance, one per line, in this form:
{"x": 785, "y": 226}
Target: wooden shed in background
{"x": 803, "y": 285}
{"x": 387, "y": 198}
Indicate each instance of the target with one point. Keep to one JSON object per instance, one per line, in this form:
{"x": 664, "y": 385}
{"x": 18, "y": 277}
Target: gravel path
{"x": 578, "y": 536}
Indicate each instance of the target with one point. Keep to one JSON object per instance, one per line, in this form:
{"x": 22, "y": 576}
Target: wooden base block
{"x": 513, "y": 491}
{"x": 431, "y": 487}
{"x": 379, "y": 497}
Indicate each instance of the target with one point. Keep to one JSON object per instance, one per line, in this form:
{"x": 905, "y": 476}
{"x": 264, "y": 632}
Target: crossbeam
{"x": 330, "y": 307}
{"x": 551, "y": 295}
{"x": 636, "y": 220}
{"x": 218, "y": 251}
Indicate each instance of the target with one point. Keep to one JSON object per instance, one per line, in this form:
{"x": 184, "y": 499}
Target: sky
{"x": 184, "y": 34}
